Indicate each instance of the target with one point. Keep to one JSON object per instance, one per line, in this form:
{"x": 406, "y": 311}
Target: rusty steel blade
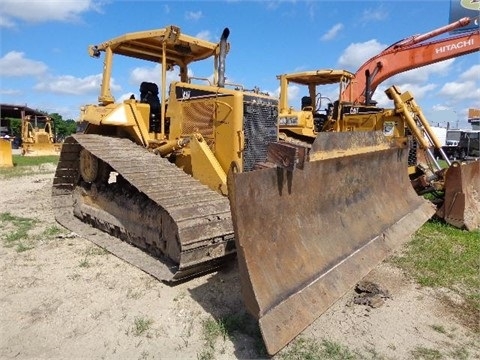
{"x": 461, "y": 206}
{"x": 305, "y": 237}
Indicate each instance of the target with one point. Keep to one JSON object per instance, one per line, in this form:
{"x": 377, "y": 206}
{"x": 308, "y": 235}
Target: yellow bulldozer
{"x": 38, "y": 138}
{"x": 456, "y": 196}
{"x": 196, "y": 171}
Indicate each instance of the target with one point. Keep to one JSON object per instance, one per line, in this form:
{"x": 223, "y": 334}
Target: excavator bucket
{"x": 6, "y": 159}
{"x": 461, "y": 206}
{"x": 307, "y": 236}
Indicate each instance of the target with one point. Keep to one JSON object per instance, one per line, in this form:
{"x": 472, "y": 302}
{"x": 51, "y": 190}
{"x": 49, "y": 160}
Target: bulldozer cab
{"x": 325, "y": 110}
{"x": 318, "y": 107}
{"x": 167, "y": 47}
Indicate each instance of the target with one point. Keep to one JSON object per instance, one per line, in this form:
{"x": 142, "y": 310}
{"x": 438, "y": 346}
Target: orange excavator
{"x": 411, "y": 53}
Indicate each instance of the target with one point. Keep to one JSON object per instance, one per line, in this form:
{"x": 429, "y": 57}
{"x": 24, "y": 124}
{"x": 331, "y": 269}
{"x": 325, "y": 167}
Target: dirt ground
{"x": 65, "y": 298}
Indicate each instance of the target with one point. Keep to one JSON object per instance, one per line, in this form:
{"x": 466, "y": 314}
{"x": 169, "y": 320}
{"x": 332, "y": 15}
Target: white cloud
{"x": 14, "y": 64}
{"x": 422, "y": 74}
{"x": 471, "y": 74}
{"x": 150, "y": 74}
{"x": 418, "y": 92}
{"x": 332, "y": 32}
{"x": 357, "y": 53}
{"x": 193, "y": 15}
{"x": 5, "y": 22}
{"x": 374, "y": 14}
{"x": 293, "y": 94}
{"x": 458, "y": 91}
{"x": 67, "y": 84}
{"x": 204, "y": 35}
{"x": 45, "y": 10}
{"x": 10, "y": 92}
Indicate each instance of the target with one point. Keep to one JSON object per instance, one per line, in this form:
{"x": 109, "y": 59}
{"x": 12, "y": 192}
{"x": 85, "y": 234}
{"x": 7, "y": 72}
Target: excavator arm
{"x": 408, "y": 54}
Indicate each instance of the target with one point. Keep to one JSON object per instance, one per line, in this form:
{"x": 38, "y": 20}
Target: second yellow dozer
{"x": 153, "y": 172}
{"x": 38, "y": 138}
{"x": 454, "y": 187}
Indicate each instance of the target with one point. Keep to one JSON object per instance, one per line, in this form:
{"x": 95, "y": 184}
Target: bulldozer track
{"x": 180, "y": 227}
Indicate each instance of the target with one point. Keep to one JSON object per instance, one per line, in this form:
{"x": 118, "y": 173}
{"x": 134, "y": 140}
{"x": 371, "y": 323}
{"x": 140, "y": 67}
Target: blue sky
{"x": 44, "y": 61}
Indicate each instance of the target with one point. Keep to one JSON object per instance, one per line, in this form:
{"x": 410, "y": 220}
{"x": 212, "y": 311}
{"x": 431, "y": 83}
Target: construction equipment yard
{"x": 64, "y": 297}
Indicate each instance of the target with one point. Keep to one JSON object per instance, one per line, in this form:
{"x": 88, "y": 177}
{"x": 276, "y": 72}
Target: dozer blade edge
{"x": 305, "y": 237}
{"x": 461, "y": 206}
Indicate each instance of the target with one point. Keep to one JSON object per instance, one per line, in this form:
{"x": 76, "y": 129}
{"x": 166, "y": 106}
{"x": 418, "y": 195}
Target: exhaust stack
{"x": 222, "y": 56}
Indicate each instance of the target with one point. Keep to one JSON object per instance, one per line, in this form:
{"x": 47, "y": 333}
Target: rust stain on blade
{"x": 306, "y": 237}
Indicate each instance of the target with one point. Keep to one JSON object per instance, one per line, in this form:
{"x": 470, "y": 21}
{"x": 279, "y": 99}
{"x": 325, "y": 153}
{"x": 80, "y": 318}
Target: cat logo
{"x": 185, "y": 94}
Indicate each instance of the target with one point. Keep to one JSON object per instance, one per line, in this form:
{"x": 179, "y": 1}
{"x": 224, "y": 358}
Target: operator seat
{"x": 306, "y": 102}
{"x": 149, "y": 95}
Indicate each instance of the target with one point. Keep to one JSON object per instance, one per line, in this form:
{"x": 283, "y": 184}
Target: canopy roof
{"x": 319, "y": 77}
{"x": 147, "y": 45}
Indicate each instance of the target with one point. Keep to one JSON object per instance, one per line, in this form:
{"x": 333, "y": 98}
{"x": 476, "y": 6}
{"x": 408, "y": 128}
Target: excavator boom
{"x": 408, "y": 54}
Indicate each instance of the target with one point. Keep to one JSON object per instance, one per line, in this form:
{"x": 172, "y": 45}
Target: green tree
{"x": 63, "y": 128}
{"x": 16, "y": 127}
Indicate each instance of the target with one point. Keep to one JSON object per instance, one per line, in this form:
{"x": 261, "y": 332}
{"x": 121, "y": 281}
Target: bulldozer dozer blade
{"x": 305, "y": 237}
{"x": 41, "y": 149}
{"x": 461, "y": 206}
{"x": 6, "y": 159}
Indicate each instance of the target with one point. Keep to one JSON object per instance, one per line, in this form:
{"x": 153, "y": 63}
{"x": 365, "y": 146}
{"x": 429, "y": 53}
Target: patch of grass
{"x": 213, "y": 329}
{"x": 20, "y": 226}
{"x": 459, "y": 353}
{"x": 53, "y": 231}
{"x": 21, "y": 247}
{"x": 440, "y": 255}
{"x": 27, "y": 165}
{"x": 439, "y": 328}
{"x": 206, "y": 354}
{"x": 134, "y": 294}
{"x": 84, "y": 263}
{"x": 227, "y": 327}
{"x": 426, "y": 354}
{"x": 309, "y": 349}
{"x": 141, "y": 325}
{"x": 96, "y": 250}
{"x": 20, "y": 160}
{"x": 92, "y": 251}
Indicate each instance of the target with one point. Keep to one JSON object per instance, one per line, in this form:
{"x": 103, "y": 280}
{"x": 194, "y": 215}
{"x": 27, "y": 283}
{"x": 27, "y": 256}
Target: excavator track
{"x": 180, "y": 227}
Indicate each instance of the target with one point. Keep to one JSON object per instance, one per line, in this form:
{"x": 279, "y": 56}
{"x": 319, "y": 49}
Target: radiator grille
{"x": 260, "y": 128}
{"x": 198, "y": 116}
